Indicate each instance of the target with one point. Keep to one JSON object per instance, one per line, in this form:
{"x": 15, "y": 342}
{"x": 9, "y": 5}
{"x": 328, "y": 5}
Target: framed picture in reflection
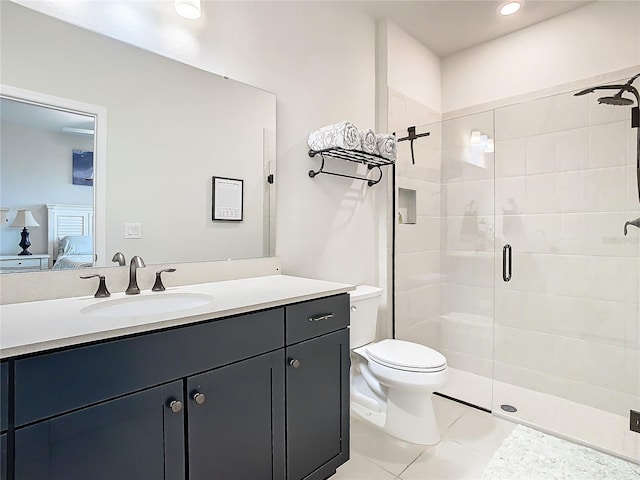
{"x": 82, "y": 167}
{"x": 227, "y": 199}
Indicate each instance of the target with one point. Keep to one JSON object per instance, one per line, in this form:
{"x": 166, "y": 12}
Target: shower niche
{"x": 406, "y": 206}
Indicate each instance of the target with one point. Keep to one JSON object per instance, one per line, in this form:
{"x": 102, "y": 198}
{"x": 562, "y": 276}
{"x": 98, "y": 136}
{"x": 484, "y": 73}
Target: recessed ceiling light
{"x": 188, "y": 8}
{"x": 511, "y": 7}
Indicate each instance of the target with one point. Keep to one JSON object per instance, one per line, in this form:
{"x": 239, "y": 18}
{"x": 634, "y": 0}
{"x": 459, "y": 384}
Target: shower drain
{"x": 508, "y": 408}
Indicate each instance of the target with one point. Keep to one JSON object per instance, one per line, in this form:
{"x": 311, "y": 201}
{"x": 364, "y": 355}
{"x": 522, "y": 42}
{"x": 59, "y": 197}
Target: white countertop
{"x": 39, "y": 326}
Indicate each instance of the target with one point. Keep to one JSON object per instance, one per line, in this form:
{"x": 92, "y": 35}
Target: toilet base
{"x": 411, "y": 418}
{"x": 419, "y": 426}
{"x": 377, "y": 418}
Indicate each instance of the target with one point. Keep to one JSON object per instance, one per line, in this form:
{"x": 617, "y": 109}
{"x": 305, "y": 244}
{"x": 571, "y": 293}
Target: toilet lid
{"x": 406, "y": 356}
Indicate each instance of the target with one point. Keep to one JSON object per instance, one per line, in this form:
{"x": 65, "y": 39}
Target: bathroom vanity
{"x": 252, "y": 385}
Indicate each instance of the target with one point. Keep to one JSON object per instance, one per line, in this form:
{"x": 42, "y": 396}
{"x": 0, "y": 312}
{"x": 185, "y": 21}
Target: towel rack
{"x": 371, "y": 160}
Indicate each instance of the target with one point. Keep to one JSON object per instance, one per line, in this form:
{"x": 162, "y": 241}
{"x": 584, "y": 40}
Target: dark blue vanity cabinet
{"x": 317, "y": 392}
{"x": 3, "y": 456}
{"x": 238, "y": 430}
{"x": 132, "y": 437}
{"x": 4, "y": 396}
{"x": 216, "y": 399}
{"x": 4, "y": 416}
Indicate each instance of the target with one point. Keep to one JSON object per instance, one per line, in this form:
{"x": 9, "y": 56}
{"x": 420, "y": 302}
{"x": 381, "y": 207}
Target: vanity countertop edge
{"x": 36, "y": 327}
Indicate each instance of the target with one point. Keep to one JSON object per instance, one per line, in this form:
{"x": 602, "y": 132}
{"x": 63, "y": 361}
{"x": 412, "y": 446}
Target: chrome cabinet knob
{"x": 294, "y": 362}
{"x": 175, "y": 406}
{"x": 199, "y": 398}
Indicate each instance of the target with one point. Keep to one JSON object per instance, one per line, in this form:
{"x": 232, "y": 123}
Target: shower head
{"x": 617, "y": 99}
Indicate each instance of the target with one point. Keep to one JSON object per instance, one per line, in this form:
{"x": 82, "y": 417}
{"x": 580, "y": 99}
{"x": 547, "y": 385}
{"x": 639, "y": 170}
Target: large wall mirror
{"x": 160, "y": 132}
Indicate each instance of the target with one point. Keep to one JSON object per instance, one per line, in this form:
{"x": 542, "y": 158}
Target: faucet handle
{"x": 119, "y": 257}
{"x": 158, "y": 286}
{"x": 102, "y": 291}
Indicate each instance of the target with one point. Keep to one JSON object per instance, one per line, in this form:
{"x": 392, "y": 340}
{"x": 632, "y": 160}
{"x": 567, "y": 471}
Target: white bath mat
{"x": 527, "y": 454}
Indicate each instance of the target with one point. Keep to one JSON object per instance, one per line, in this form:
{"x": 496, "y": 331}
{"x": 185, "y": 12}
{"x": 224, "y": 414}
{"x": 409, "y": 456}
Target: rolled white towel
{"x": 387, "y": 146}
{"x": 343, "y": 135}
{"x": 368, "y": 140}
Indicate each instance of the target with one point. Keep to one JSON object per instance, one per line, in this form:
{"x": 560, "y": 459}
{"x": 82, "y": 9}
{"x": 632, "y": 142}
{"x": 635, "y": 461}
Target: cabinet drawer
{"x": 316, "y": 317}
{"x": 26, "y": 263}
{"x": 50, "y": 384}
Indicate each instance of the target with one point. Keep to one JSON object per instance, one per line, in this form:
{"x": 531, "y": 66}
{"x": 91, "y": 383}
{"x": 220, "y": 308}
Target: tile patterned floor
{"x": 469, "y": 438}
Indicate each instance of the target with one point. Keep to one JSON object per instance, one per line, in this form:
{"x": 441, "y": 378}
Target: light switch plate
{"x": 132, "y": 230}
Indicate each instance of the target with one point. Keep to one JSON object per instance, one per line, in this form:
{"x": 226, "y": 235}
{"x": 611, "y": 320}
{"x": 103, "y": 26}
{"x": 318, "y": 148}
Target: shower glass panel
{"x": 445, "y": 250}
{"x": 467, "y": 257}
{"x": 417, "y": 239}
{"x": 566, "y": 351}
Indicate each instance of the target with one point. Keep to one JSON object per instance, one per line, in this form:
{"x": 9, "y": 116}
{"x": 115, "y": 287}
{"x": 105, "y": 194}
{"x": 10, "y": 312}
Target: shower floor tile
{"x": 603, "y": 430}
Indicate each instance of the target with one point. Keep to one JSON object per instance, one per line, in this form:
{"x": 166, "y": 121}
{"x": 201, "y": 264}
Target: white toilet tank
{"x": 364, "y": 315}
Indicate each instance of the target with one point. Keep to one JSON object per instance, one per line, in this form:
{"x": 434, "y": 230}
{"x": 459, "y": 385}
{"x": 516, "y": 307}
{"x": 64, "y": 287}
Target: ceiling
{"x": 447, "y": 27}
{"x": 36, "y": 116}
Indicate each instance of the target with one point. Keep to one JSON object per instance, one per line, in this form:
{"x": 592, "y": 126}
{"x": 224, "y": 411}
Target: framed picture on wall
{"x": 227, "y": 199}
{"x": 82, "y": 167}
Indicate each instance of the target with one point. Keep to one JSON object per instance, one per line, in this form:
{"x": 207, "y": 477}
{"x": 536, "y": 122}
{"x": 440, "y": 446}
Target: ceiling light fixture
{"x": 511, "y": 7}
{"x": 79, "y": 131}
{"x": 188, "y": 8}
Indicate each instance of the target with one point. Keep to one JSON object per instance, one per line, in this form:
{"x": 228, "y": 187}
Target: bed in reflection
{"x": 76, "y": 251}
{"x": 70, "y": 236}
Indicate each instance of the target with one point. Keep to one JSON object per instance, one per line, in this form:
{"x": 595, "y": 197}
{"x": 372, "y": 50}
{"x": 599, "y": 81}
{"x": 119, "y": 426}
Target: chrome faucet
{"x": 136, "y": 262}
{"x": 119, "y": 257}
{"x": 635, "y": 223}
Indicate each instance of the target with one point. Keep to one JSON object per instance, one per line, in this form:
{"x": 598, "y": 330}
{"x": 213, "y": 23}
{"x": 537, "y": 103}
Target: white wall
{"x": 598, "y": 38}
{"x": 36, "y": 169}
{"x": 320, "y": 63}
{"x": 410, "y": 93}
{"x": 413, "y": 69}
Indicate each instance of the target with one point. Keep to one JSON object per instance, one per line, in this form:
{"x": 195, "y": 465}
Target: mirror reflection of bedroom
{"x": 46, "y": 188}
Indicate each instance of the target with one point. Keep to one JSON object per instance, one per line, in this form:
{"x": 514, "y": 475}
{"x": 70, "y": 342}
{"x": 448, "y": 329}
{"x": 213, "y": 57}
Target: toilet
{"x": 392, "y": 380}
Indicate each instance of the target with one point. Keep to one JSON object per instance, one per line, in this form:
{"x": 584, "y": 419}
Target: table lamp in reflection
{"x": 24, "y": 219}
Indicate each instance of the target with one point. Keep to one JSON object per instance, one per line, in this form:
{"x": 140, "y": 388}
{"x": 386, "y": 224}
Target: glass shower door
{"x": 566, "y": 348}
{"x": 467, "y": 257}
{"x": 444, "y": 253}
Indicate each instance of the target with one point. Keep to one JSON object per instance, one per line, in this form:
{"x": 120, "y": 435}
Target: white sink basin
{"x": 153, "y": 304}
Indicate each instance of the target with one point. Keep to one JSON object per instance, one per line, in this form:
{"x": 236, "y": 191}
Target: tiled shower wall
{"x": 568, "y": 322}
{"x": 417, "y": 259}
{"x": 558, "y": 189}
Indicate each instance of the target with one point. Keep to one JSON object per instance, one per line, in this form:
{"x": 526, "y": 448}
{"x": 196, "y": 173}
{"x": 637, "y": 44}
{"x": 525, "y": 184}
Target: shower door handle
{"x": 506, "y": 262}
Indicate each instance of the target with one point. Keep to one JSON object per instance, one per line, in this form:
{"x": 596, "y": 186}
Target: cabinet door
{"x": 135, "y": 437}
{"x": 317, "y": 393}
{"x": 236, "y": 421}
{"x": 3, "y": 457}
{"x": 4, "y": 396}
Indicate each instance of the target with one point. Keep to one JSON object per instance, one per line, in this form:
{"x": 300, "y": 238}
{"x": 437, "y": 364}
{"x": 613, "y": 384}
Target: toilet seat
{"x": 406, "y": 356}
